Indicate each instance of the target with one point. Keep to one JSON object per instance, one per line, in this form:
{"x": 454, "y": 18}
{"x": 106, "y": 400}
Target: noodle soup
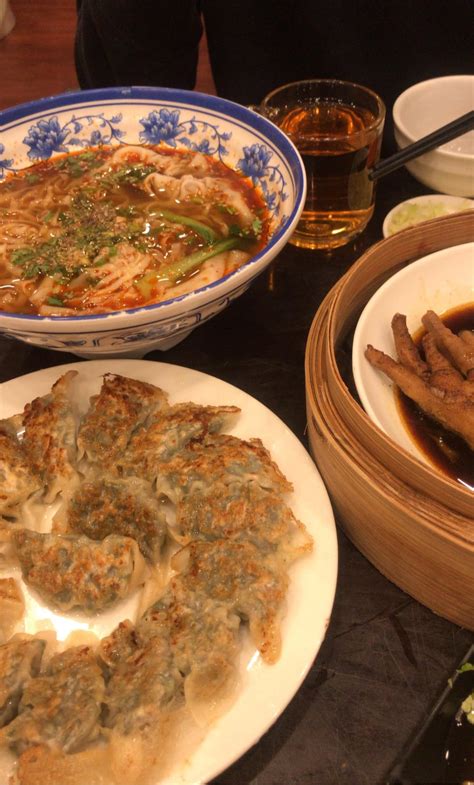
{"x": 112, "y": 228}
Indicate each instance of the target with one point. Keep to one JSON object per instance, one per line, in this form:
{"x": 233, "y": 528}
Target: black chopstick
{"x": 444, "y": 134}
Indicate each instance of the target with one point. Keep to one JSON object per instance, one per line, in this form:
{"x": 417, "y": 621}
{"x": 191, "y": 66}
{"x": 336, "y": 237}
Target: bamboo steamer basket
{"x": 413, "y": 523}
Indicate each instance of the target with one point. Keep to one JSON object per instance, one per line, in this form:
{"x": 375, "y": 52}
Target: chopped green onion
{"x": 468, "y": 666}
{"x": 130, "y": 174}
{"x": 226, "y": 208}
{"x": 146, "y": 282}
{"x": 468, "y": 708}
{"x": 21, "y": 256}
{"x": 55, "y": 301}
{"x": 253, "y": 230}
{"x": 173, "y": 272}
{"x": 205, "y": 231}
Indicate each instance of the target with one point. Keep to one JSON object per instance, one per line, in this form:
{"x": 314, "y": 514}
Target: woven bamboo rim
{"x": 415, "y": 525}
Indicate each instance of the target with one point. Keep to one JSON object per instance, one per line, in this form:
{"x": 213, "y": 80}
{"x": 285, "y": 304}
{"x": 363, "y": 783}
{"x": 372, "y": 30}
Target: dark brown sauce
{"x": 447, "y": 451}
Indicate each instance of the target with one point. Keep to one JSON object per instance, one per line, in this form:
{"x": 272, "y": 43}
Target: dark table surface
{"x": 385, "y": 657}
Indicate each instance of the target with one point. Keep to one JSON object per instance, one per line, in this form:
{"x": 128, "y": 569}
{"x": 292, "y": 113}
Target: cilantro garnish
{"x": 88, "y": 235}
{"x": 251, "y": 232}
{"x": 54, "y": 300}
{"x": 77, "y": 165}
{"x": 128, "y": 175}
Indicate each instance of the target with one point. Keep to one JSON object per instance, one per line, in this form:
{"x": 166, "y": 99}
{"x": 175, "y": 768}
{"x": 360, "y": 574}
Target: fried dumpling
{"x": 204, "y": 636}
{"x": 50, "y": 437}
{"x": 12, "y": 607}
{"x": 7, "y": 550}
{"x": 169, "y": 432}
{"x": 110, "y": 505}
{"x": 137, "y": 469}
{"x": 222, "y": 459}
{"x": 142, "y": 685}
{"x": 46, "y": 766}
{"x": 241, "y": 512}
{"x": 20, "y": 659}
{"x": 61, "y": 708}
{"x": 18, "y": 479}
{"x": 119, "y": 645}
{"x": 121, "y": 406}
{"x": 77, "y": 572}
{"x": 239, "y": 575}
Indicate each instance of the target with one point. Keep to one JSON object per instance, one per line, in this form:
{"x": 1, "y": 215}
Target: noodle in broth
{"x": 113, "y": 228}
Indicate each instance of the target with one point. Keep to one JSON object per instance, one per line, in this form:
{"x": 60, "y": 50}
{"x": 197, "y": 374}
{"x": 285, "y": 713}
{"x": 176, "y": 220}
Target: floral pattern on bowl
{"x": 56, "y": 134}
{"x": 233, "y": 134}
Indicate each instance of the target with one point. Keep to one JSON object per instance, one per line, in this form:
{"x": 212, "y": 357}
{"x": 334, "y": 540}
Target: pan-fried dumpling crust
{"x": 221, "y": 459}
{"x": 169, "y": 432}
{"x": 184, "y": 642}
{"x": 198, "y": 626}
{"x": 122, "y": 405}
{"x": 61, "y": 708}
{"x": 242, "y": 512}
{"x": 142, "y": 686}
{"x": 119, "y": 645}
{"x": 76, "y": 572}
{"x": 7, "y": 550}
{"x": 50, "y": 437}
{"x": 136, "y": 759}
{"x": 46, "y": 766}
{"x": 12, "y": 606}
{"x": 204, "y": 636}
{"x": 18, "y": 479}
{"x": 20, "y": 659}
{"x": 238, "y": 574}
{"x": 119, "y": 506}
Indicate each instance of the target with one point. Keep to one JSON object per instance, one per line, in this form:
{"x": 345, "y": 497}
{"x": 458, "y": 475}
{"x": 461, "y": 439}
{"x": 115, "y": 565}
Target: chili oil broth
{"x": 34, "y": 199}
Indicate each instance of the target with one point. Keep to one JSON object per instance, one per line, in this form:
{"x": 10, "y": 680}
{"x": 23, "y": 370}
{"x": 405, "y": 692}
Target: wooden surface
{"x": 386, "y": 657}
{"x": 37, "y": 57}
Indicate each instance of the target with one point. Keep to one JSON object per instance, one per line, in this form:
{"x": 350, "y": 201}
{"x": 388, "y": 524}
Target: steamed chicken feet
{"x": 458, "y": 348}
{"x": 443, "y": 383}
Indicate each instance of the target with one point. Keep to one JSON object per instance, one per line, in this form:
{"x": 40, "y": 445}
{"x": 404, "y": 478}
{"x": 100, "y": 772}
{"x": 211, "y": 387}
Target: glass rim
{"x": 378, "y": 120}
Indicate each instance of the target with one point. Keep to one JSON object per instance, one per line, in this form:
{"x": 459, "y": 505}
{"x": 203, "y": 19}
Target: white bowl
{"x": 441, "y": 282}
{"x": 423, "y": 208}
{"x": 120, "y": 116}
{"x": 424, "y": 108}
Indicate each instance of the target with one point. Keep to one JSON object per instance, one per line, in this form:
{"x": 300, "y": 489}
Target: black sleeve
{"x": 137, "y": 42}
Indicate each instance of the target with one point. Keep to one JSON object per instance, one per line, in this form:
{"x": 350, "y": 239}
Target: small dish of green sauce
{"x": 423, "y": 208}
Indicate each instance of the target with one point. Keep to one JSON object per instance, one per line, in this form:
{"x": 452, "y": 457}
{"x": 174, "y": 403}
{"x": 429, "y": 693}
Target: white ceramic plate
{"x": 423, "y": 208}
{"x": 441, "y": 282}
{"x": 265, "y": 690}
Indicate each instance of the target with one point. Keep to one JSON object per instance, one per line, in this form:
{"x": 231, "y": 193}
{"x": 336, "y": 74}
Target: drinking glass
{"x": 337, "y": 127}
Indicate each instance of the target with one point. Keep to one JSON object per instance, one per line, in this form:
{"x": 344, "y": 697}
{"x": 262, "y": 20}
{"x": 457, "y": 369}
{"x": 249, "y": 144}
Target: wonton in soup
{"x": 113, "y": 228}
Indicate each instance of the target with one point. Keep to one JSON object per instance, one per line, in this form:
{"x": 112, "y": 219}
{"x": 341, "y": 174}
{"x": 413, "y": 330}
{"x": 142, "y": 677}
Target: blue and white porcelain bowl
{"x": 239, "y": 137}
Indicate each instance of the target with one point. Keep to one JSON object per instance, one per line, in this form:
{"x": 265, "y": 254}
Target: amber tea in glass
{"x": 337, "y": 128}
